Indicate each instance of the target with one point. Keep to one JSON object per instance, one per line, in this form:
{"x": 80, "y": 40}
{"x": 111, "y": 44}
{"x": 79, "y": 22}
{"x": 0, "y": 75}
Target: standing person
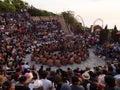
{"x": 21, "y": 85}
{"x": 36, "y": 83}
{"x": 109, "y": 82}
{"x": 86, "y": 80}
{"x": 47, "y": 84}
{"x": 40, "y": 71}
{"x": 117, "y": 83}
{"x": 75, "y": 85}
{"x": 2, "y": 80}
{"x": 7, "y": 85}
{"x": 58, "y": 81}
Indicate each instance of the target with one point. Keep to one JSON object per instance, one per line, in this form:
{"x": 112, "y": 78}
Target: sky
{"x": 89, "y": 10}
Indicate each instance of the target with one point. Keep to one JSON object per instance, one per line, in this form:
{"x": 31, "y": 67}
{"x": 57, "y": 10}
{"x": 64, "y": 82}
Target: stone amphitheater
{"x": 91, "y": 62}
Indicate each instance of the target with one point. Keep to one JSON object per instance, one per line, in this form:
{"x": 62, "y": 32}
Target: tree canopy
{"x": 71, "y": 21}
{"x": 37, "y": 12}
{"x": 6, "y": 6}
{"x": 15, "y": 5}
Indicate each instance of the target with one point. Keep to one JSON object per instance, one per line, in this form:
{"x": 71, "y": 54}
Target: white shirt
{"x": 36, "y": 84}
{"x": 47, "y": 84}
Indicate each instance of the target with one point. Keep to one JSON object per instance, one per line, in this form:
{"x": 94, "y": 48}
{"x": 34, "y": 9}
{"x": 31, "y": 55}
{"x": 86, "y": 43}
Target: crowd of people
{"x": 29, "y": 78}
{"x": 49, "y": 45}
{"x": 20, "y": 35}
{"x": 61, "y": 53}
{"x": 109, "y": 50}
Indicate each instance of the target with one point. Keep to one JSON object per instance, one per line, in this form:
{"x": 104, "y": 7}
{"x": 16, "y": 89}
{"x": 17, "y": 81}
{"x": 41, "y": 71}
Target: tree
{"x": 19, "y": 4}
{"x": 15, "y": 5}
{"x": 71, "y": 21}
{"x": 5, "y": 6}
{"x": 7, "y": 1}
{"x": 37, "y": 12}
{"x": 12, "y": 5}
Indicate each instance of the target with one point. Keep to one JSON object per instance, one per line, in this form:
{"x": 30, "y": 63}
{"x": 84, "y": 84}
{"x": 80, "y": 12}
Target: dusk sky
{"x": 89, "y": 10}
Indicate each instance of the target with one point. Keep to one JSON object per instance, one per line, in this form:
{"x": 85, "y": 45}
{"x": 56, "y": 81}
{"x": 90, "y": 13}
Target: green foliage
{"x": 69, "y": 17}
{"x": 19, "y": 4}
{"x": 71, "y": 21}
{"x": 5, "y": 6}
{"x": 36, "y": 12}
{"x": 15, "y": 5}
{"x": 12, "y": 5}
